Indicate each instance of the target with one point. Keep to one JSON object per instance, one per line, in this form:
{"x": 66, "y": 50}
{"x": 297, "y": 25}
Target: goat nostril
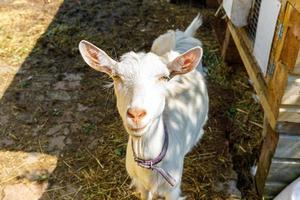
{"x": 136, "y": 113}
{"x": 129, "y": 114}
{"x": 142, "y": 113}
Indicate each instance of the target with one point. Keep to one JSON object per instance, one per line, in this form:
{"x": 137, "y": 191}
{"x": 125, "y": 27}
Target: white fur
{"x": 174, "y": 42}
{"x": 181, "y": 103}
{"x": 192, "y": 28}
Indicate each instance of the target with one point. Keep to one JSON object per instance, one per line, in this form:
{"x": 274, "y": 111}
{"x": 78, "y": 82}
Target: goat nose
{"x": 136, "y": 114}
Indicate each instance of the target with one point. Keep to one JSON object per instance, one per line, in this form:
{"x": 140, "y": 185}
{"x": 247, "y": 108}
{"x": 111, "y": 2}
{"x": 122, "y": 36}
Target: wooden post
{"x": 267, "y": 151}
{"x": 212, "y": 4}
{"x": 226, "y": 43}
{"x": 229, "y": 52}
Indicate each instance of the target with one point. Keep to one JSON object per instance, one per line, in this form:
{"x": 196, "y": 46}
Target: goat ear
{"x": 164, "y": 43}
{"x": 186, "y": 62}
{"x": 96, "y": 58}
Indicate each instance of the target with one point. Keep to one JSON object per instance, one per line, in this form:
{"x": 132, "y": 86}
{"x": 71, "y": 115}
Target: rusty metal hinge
{"x": 280, "y": 31}
{"x": 271, "y": 69}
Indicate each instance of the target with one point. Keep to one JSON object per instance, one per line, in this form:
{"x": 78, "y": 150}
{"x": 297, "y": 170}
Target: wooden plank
{"x": 267, "y": 151}
{"x": 284, "y": 169}
{"x": 288, "y": 146}
{"x": 254, "y": 73}
{"x": 277, "y": 41}
{"x": 225, "y": 45}
{"x": 292, "y": 91}
{"x": 295, "y": 4}
{"x": 244, "y": 35}
{"x": 276, "y": 79}
{"x": 276, "y": 87}
{"x": 283, "y": 19}
{"x": 291, "y": 46}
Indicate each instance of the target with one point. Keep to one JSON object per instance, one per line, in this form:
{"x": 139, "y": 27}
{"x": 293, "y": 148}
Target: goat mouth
{"x": 136, "y": 129}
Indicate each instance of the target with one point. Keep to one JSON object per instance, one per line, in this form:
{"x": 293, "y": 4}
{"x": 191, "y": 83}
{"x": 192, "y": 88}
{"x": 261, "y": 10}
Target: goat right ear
{"x": 186, "y": 62}
{"x": 96, "y": 58}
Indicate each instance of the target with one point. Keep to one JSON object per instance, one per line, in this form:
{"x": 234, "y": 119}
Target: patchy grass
{"x": 22, "y": 23}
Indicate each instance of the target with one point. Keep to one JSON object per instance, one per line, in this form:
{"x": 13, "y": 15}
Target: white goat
{"x": 163, "y": 103}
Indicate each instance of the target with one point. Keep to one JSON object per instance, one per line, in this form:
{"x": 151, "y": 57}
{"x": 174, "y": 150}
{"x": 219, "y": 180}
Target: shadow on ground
{"x": 56, "y": 105}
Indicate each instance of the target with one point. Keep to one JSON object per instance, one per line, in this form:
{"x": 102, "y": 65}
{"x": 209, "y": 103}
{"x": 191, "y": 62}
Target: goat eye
{"x": 164, "y": 78}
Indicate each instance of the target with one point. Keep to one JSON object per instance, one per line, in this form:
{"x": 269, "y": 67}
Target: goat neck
{"x": 151, "y": 143}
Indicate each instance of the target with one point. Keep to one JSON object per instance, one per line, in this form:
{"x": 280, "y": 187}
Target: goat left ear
{"x": 96, "y": 58}
{"x": 186, "y": 62}
{"x": 164, "y": 43}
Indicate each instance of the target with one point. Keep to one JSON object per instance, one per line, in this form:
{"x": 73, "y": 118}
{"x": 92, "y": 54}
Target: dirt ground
{"x": 60, "y": 131}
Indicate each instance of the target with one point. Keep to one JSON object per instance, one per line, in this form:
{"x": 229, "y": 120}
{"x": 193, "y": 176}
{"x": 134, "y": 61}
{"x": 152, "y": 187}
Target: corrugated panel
{"x": 284, "y": 170}
{"x": 273, "y": 188}
{"x": 288, "y": 128}
{"x": 288, "y": 146}
{"x": 289, "y": 114}
{"x": 285, "y": 167}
